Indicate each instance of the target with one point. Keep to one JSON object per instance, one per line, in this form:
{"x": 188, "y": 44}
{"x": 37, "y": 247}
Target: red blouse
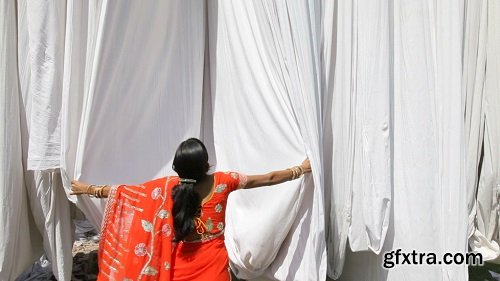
{"x": 213, "y": 208}
{"x": 137, "y": 231}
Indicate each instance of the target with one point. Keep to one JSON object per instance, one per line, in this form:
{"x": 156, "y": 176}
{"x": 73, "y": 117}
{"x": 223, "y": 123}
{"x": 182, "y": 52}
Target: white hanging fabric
{"x": 357, "y": 144}
{"x": 41, "y": 28}
{"x": 428, "y": 166}
{"x": 46, "y": 86}
{"x": 265, "y": 66}
{"x": 79, "y": 49}
{"x": 338, "y": 129}
{"x": 46, "y": 26}
{"x": 19, "y": 240}
{"x": 138, "y": 86}
{"x": 51, "y": 211}
{"x": 371, "y": 181}
{"x": 368, "y": 90}
{"x": 83, "y": 22}
{"x": 485, "y": 216}
{"x": 474, "y": 64}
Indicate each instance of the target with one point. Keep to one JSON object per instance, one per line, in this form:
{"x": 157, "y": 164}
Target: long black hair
{"x": 190, "y": 162}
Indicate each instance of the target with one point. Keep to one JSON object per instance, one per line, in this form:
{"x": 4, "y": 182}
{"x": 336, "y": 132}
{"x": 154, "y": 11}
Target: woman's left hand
{"x": 79, "y": 188}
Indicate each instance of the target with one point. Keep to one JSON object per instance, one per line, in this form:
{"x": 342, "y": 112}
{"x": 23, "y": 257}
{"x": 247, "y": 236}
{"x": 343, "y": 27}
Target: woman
{"x": 173, "y": 228}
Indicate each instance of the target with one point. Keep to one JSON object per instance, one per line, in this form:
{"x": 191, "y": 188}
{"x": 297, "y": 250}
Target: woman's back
{"x": 138, "y": 232}
{"x": 172, "y": 228}
{"x": 211, "y": 219}
{"x": 203, "y": 256}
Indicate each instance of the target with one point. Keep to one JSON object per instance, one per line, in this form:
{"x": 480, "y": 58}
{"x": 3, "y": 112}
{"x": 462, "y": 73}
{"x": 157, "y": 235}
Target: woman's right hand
{"x": 79, "y": 188}
{"x": 306, "y": 166}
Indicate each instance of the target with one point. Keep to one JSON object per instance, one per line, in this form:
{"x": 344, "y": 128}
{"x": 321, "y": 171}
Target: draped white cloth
{"x": 51, "y": 211}
{"x": 474, "y": 64}
{"x": 371, "y": 183}
{"x": 20, "y": 244}
{"x": 266, "y": 58}
{"x": 103, "y": 91}
{"x": 484, "y": 191}
{"x": 134, "y": 111}
{"x": 41, "y": 34}
{"x": 45, "y": 28}
{"x": 357, "y": 140}
{"x": 428, "y": 192}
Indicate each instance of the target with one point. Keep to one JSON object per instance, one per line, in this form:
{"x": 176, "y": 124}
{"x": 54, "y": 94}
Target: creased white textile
{"x": 339, "y": 81}
{"x": 474, "y": 64}
{"x": 338, "y": 142}
{"x": 482, "y": 91}
{"x": 51, "y": 212}
{"x": 265, "y": 67}
{"x": 485, "y": 238}
{"x": 357, "y": 144}
{"x": 19, "y": 245}
{"x": 142, "y": 84}
{"x": 371, "y": 180}
{"x": 46, "y": 26}
{"x": 41, "y": 34}
{"x": 429, "y": 183}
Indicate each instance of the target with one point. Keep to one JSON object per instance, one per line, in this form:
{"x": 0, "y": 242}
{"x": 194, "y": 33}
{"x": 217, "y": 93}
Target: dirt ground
{"x": 85, "y": 261}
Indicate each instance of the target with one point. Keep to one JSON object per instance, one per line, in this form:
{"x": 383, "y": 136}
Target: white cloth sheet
{"x": 481, "y": 90}
{"x": 485, "y": 237}
{"x": 428, "y": 212}
{"x": 51, "y": 211}
{"x": 19, "y": 240}
{"x": 41, "y": 28}
{"x": 371, "y": 80}
{"x": 266, "y": 67}
{"x": 46, "y": 26}
{"x": 338, "y": 129}
{"x": 474, "y": 64}
{"x": 368, "y": 90}
{"x": 357, "y": 140}
{"x": 138, "y": 89}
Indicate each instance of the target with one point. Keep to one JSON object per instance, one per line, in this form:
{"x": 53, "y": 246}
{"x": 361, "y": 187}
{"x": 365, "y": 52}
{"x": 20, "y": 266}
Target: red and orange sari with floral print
{"x": 137, "y": 232}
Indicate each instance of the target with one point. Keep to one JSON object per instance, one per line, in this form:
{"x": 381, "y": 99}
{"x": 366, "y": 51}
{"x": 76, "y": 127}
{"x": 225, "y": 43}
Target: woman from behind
{"x": 173, "y": 228}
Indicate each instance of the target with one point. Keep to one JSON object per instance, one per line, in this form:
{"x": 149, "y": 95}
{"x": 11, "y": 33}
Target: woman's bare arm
{"x": 272, "y": 178}
{"x": 80, "y": 188}
{"x": 277, "y": 177}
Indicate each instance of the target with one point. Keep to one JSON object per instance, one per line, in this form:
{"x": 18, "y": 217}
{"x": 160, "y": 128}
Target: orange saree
{"x": 137, "y": 232}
